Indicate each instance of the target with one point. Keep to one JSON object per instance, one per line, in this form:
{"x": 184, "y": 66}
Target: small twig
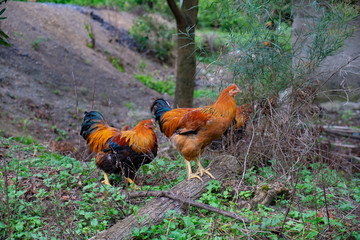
{"x": 93, "y": 96}
{"x": 76, "y": 94}
{"x": 247, "y": 153}
{"x": 337, "y": 70}
{"x": 291, "y": 201}
{"x": 328, "y": 79}
{"x": 352, "y": 210}
{"x": 7, "y": 202}
{"x": 188, "y": 201}
{"x": 326, "y": 202}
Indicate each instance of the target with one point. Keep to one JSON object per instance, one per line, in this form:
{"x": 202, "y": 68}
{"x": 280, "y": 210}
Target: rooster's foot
{"x": 202, "y": 171}
{"x": 130, "y": 181}
{"x": 106, "y": 182}
{"x": 194, "y": 175}
{"x": 106, "y": 179}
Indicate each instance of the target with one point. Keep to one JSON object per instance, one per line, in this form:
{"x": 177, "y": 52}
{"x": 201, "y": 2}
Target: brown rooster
{"x": 190, "y": 130}
{"x": 236, "y": 130}
{"x": 242, "y": 115}
{"x": 119, "y": 151}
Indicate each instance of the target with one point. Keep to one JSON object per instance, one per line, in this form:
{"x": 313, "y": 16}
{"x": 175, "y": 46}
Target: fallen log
{"x": 342, "y": 131}
{"x": 154, "y": 211}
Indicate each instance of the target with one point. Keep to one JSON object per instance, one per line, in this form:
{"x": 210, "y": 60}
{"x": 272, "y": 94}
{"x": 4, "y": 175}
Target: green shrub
{"x": 158, "y": 85}
{"x": 168, "y": 86}
{"x": 262, "y": 58}
{"x": 117, "y": 64}
{"x": 209, "y": 43}
{"x": 213, "y": 14}
{"x": 155, "y": 38}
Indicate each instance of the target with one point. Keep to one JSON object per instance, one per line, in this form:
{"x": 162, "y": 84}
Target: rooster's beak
{"x": 153, "y": 126}
{"x": 236, "y": 91}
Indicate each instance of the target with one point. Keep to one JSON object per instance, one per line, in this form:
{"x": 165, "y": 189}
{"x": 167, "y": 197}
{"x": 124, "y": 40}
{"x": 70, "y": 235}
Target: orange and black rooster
{"x": 190, "y": 130}
{"x": 119, "y": 151}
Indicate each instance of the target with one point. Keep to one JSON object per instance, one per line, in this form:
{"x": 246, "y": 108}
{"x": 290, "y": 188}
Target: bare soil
{"x": 49, "y": 76}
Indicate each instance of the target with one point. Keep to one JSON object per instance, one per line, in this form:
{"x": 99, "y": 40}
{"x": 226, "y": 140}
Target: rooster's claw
{"x": 194, "y": 175}
{"x": 106, "y": 182}
{"x": 202, "y": 171}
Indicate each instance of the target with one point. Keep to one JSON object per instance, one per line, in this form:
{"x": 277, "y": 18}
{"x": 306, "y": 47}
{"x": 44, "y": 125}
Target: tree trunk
{"x": 154, "y": 211}
{"x": 186, "y": 58}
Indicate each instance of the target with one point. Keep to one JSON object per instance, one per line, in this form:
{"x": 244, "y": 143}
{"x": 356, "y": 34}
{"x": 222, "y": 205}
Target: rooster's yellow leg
{"x": 106, "y": 179}
{"x": 190, "y": 174}
{"x": 202, "y": 170}
{"x": 136, "y": 188}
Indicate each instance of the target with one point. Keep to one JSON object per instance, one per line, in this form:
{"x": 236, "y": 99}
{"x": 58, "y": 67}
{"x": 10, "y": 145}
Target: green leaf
{"x": 177, "y": 234}
{"x": 19, "y": 226}
{"x": 3, "y": 42}
{"x": 144, "y": 229}
{"x": 2, "y": 11}
{"x": 3, "y": 34}
{"x": 94, "y": 222}
{"x": 136, "y": 231}
{"x": 88, "y": 215}
{"x": 20, "y": 193}
{"x": 2, "y": 225}
{"x": 266, "y": 222}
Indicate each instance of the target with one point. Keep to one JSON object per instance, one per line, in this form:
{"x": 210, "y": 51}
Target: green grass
{"x": 117, "y": 65}
{"x": 47, "y": 195}
{"x": 168, "y": 86}
{"x": 305, "y": 219}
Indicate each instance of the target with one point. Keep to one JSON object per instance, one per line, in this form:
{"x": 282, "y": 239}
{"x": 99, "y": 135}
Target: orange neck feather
{"x": 140, "y": 138}
{"x": 226, "y": 105}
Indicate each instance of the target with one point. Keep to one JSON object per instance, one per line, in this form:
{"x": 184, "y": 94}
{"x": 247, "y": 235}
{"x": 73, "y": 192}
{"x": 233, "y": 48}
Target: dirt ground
{"x": 49, "y": 76}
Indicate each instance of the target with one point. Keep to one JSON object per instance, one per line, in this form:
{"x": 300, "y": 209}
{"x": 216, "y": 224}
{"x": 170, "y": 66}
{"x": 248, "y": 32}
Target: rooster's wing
{"x": 170, "y": 120}
{"x": 197, "y": 119}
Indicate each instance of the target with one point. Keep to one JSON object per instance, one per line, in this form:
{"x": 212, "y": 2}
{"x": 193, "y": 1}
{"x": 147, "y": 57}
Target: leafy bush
{"x": 261, "y": 55}
{"x": 168, "y": 86}
{"x": 158, "y": 85}
{"x": 209, "y": 43}
{"x": 154, "y": 37}
{"x": 214, "y": 14}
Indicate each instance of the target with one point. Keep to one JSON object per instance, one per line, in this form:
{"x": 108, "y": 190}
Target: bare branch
{"x": 336, "y": 71}
{"x": 247, "y": 153}
{"x": 191, "y": 202}
{"x": 341, "y": 134}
